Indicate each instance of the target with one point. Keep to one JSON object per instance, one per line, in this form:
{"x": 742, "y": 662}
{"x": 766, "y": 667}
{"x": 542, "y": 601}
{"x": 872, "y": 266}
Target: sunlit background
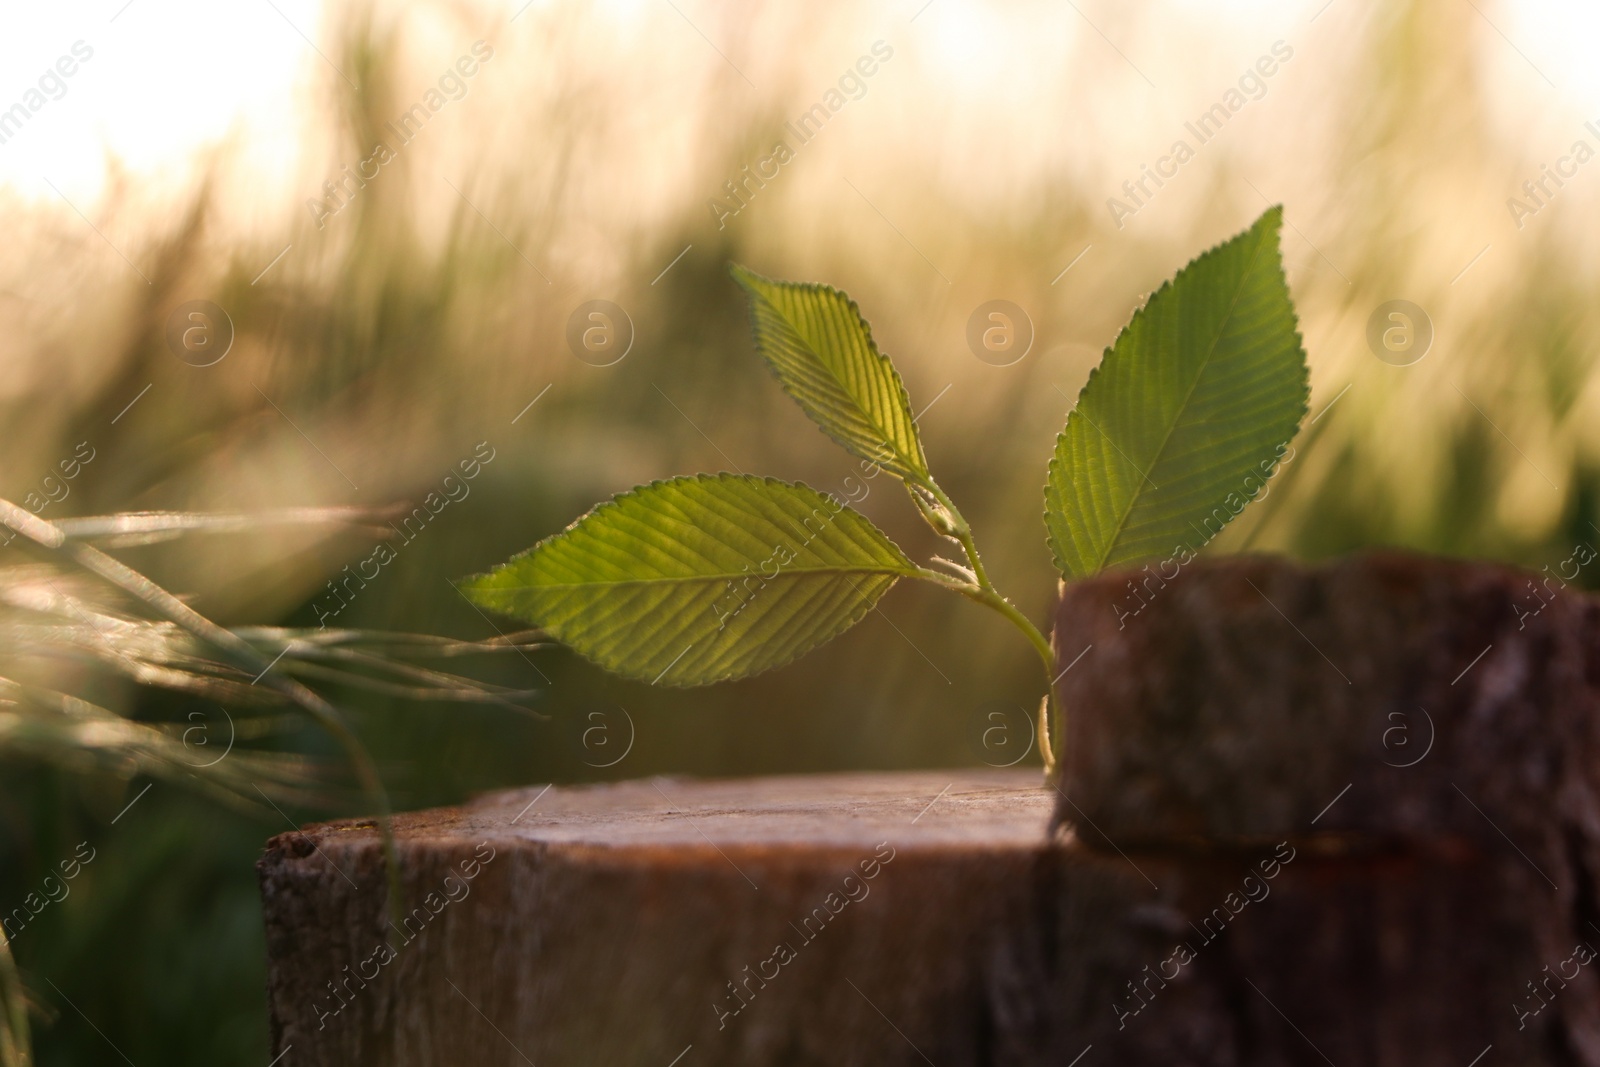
{"x": 383, "y": 336}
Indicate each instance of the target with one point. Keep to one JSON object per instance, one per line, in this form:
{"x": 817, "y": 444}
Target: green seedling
{"x": 712, "y": 577}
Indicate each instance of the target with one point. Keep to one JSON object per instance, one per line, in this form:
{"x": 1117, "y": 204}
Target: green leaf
{"x": 816, "y": 341}
{"x": 1183, "y": 421}
{"x": 697, "y": 580}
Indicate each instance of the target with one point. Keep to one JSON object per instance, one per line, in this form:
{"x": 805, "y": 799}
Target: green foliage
{"x": 817, "y": 343}
{"x": 709, "y": 578}
{"x": 702, "y": 579}
{"x": 1186, "y": 416}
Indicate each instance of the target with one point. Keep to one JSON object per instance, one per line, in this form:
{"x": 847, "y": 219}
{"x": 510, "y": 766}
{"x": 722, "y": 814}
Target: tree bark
{"x": 1237, "y": 700}
{"x": 1245, "y": 867}
{"x": 625, "y": 923}
{"x": 923, "y": 917}
{"x": 1441, "y": 714}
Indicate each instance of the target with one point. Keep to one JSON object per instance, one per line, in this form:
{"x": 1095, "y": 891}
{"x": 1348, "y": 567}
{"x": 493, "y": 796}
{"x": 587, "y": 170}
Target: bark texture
{"x": 1254, "y": 862}
{"x": 1248, "y": 693}
{"x": 922, "y": 918}
{"x": 1438, "y": 719}
{"x": 623, "y": 924}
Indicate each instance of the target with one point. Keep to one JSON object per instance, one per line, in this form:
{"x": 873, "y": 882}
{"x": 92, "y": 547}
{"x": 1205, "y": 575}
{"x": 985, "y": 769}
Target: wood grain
{"x": 898, "y": 919}
{"x": 1242, "y": 864}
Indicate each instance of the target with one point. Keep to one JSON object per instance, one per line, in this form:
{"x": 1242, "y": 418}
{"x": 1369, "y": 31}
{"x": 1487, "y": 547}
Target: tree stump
{"x": 1237, "y": 867}
{"x": 824, "y": 919}
{"x": 1440, "y": 714}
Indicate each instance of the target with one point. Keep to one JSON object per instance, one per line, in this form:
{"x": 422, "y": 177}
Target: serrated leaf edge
{"x": 1216, "y": 249}
{"x": 463, "y": 584}
{"x": 919, "y": 463}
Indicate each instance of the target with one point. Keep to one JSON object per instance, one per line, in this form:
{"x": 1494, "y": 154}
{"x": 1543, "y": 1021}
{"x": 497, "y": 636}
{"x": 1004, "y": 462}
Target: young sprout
{"x": 711, "y": 577}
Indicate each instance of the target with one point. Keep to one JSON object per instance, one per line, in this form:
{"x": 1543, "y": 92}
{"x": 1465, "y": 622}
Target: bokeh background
{"x": 376, "y": 346}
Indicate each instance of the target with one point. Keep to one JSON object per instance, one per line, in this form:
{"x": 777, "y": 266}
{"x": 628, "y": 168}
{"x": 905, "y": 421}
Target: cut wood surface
{"x": 905, "y": 918}
{"x": 623, "y": 923}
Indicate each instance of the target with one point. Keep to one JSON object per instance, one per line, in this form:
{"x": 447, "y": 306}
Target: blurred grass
{"x": 421, "y": 320}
